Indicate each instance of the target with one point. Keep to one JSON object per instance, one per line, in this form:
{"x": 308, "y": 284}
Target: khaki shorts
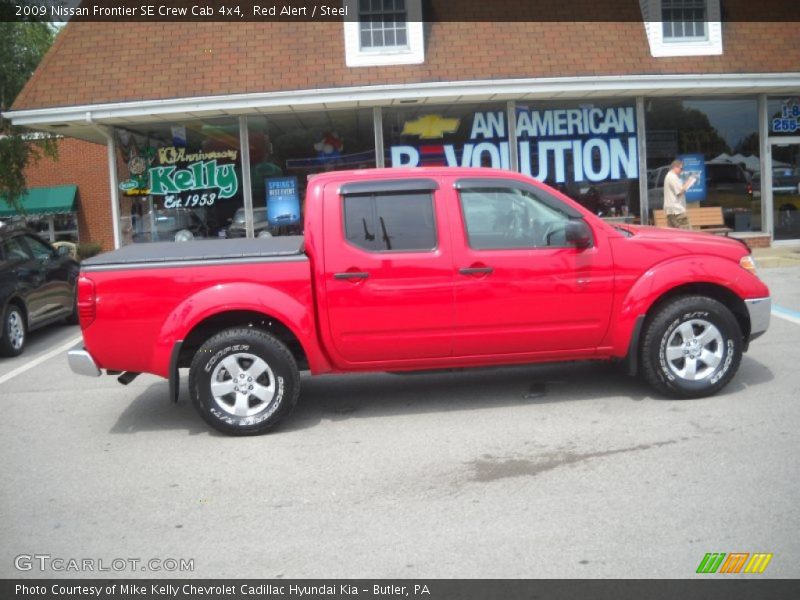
{"x": 680, "y": 221}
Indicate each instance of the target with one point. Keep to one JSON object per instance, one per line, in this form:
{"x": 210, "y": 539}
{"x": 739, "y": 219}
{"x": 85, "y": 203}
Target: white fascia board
{"x": 384, "y": 95}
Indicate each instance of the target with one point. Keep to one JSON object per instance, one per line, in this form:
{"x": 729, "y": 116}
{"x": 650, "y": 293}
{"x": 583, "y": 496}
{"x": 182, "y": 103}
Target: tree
{"x": 694, "y": 129}
{"x": 22, "y": 46}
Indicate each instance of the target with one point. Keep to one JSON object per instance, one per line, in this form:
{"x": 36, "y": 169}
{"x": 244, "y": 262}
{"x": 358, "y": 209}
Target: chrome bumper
{"x": 82, "y": 363}
{"x": 760, "y": 310}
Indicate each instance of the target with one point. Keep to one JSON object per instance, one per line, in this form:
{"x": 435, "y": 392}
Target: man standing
{"x": 675, "y": 197}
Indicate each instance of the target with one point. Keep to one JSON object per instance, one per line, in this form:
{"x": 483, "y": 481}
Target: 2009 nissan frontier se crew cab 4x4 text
{"x": 419, "y": 269}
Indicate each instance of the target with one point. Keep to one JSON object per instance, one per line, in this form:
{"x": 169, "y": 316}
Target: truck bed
{"x": 162, "y": 254}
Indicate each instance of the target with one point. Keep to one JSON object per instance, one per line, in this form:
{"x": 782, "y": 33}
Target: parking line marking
{"x": 786, "y": 314}
{"x": 37, "y": 361}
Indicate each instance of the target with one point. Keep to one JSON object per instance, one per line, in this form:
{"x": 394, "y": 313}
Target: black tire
{"x": 15, "y": 332}
{"x": 691, "y": 347}
{"x": 252, "y": 400}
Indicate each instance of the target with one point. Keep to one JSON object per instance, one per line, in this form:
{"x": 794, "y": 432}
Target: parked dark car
{"x": 37, "y": 287}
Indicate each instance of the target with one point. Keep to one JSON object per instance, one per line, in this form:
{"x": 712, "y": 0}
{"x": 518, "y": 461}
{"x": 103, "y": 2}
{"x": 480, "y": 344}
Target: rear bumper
{"x": 82, "y": 363}
{"x": 760, "y": 310}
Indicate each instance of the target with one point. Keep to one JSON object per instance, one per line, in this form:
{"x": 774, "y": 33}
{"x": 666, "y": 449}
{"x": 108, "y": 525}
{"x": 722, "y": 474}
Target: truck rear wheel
{"x": 244, "y": 381}
{"x": 691, "y": 347}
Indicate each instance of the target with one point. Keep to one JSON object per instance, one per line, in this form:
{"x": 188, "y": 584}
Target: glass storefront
{"x": 285, "y": 149}
{"x": 184, "y": 180}
{"x": 784, "y": 137}
{"x": 178, "y": 181}
{"x": 463, "y": 135}
{"x": 718, "y": 141}
{"x": 586, "y": 150}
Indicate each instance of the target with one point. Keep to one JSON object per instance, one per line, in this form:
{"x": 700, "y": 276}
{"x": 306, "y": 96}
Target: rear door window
{"x": 390, "y": 222}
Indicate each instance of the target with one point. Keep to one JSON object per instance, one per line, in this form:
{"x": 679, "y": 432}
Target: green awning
{"x": 53, "y": 200}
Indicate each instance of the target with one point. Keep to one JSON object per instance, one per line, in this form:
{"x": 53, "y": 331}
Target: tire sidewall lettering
{"x": 209, "y": 359}
{"x": 729, "y": 349}
{"x": 224, "y": 352}
{"x": 252, "y": 420}
{"x": 718, "y": 375}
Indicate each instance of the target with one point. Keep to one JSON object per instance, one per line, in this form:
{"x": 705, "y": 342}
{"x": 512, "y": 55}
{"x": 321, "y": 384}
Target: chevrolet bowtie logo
{"x": 430, "y": 127}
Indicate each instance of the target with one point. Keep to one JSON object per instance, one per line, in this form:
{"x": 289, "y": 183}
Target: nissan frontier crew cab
{"x": 419, "y": 269}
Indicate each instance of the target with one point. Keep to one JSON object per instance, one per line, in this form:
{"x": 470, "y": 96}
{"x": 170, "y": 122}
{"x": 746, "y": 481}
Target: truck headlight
{"x": 748, "y": 263}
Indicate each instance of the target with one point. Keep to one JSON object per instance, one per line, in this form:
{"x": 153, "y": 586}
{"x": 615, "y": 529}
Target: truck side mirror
{"x": 578, "y": 233}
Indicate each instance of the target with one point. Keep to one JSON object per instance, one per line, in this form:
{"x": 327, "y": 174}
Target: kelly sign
{"x": 199, "y": 171}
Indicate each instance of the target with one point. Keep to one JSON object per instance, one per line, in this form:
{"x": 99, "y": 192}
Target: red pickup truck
{"x": 419, "y": 269}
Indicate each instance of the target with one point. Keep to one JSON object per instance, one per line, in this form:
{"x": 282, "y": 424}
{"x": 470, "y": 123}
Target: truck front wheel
{"x": 244, "y": 381}
{"x": 691, "y": 347}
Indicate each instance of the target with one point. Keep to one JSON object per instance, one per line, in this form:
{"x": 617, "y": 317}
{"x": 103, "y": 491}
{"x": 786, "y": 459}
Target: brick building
{"x": 83, "y": 165}
{"x": 209, "y": 121}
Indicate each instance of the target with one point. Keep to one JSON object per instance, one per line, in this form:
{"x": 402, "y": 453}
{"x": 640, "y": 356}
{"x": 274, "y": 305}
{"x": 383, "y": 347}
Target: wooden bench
{"x": 701, "y": 218}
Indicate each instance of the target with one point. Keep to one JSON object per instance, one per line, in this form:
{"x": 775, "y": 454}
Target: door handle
{"x": 351, "y": 275}
{"x": 476, "y": 270}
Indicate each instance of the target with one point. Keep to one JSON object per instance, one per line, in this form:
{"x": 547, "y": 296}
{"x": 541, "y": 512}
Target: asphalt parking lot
{"x": 545, "y": 471}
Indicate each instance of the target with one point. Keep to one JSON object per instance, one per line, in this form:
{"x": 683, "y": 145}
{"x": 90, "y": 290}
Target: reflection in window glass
{"x": 454, "y": 135}
{"x": 784, "y": 116}
{"x": 285, "y": 149}
{"x": 587, "y": 151}
{"x": 178, "y": 181}
{"x": 503, "y": 218}
{"x": 719, "y": 139}
{"x": 784, "y": 120}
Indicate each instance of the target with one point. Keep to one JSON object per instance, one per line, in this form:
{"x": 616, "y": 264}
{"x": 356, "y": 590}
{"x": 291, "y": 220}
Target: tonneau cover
{"x": 200, "y": 250}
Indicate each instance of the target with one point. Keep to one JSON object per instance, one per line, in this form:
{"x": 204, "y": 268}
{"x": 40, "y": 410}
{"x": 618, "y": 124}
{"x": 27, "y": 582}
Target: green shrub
{"x": 88, "y": 250}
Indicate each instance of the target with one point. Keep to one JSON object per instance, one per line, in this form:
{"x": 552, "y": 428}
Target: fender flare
{"x": 229, "y": 297}
{"x": 660, "y": 280}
